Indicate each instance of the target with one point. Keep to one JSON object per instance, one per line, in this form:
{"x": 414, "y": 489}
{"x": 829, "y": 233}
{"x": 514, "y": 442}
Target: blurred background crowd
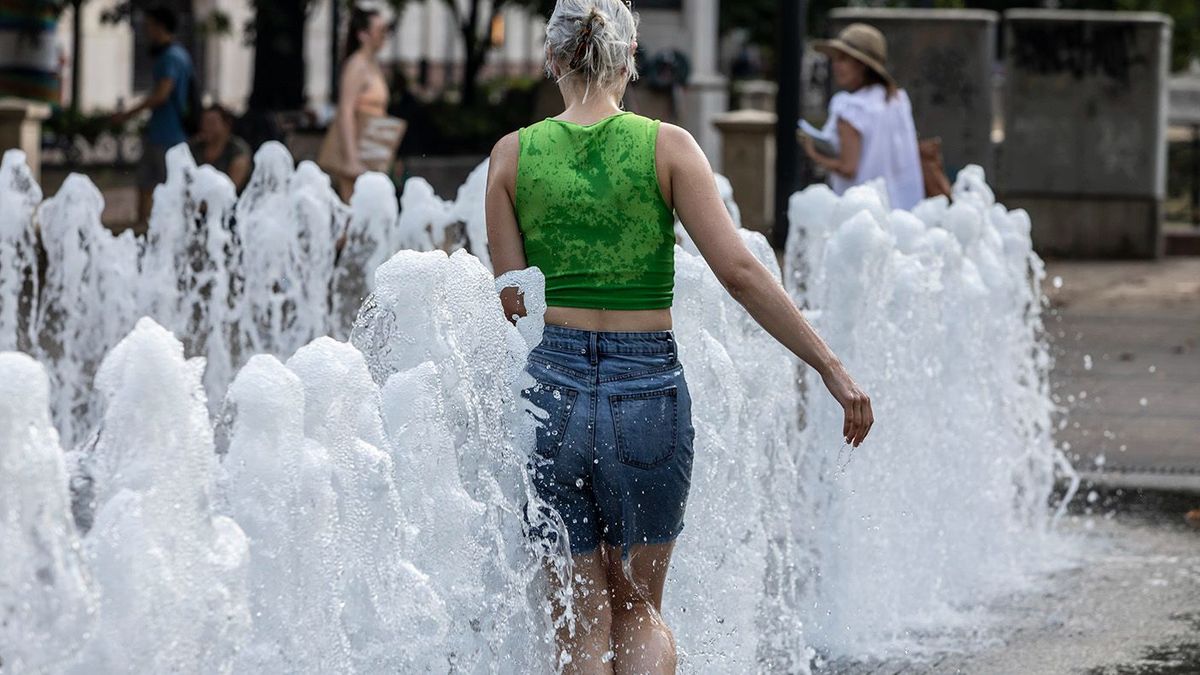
{"x": 455, "y": 75}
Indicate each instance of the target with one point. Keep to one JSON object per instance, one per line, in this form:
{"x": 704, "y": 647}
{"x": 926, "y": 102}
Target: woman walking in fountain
{"x": 588, "y": 198}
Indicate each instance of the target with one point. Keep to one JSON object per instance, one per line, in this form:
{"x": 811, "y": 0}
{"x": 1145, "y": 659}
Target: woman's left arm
{"x": 696, "y": 200}
{"x": 846, "y": 163}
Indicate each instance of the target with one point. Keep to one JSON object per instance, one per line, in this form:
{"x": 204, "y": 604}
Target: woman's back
{"x": 589, "y": 198}
{"x": 590, "y": 209}
{"x": 889, "y": 142}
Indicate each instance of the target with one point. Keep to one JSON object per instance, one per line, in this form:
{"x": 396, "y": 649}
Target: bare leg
{"x": 145, "y": 201}
{"x": 345, "y": 187}
{"x": 642, "y": 640}
{"x": 586, "y": 635}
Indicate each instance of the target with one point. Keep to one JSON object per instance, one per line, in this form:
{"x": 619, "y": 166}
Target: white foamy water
{"x": 734, "y": 594}
{"x": 288, "y": 221}
{"x": 19, "y": 198}
{"x": 170, "y": 572}
{"x": 46, "y": 598}
{"x": 359, "y": 507}
{"x": 938, "y": 316}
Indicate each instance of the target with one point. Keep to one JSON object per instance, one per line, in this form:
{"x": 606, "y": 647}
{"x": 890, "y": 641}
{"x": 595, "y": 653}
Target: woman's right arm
{"x": 694, "y": 193}
{"x": 351, "y": 85}
{"x": 505, "y": 244}
{"x": 850, "y": 145}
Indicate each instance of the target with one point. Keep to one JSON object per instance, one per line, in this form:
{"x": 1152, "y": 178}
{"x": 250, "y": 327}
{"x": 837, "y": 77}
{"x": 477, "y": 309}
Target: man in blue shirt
{"x": 168, "y": 103}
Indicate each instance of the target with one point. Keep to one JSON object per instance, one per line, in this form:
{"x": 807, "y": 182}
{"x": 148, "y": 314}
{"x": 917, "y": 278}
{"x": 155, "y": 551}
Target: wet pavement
{"x": 1126, "y": 603}
{"x": 1126, "y": 341}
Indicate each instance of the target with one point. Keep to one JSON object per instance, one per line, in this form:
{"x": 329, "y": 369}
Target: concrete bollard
{"x": 748, "y": 158}
{"x": 944, "y": 59}
{"x": 21, "y": 127}
{"x": 755, "y": 94}
{"x": 1085, "y": 108}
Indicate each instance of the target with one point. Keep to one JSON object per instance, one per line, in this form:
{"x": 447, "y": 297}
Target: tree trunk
{"x": 476, "y": 53}
{"x": 470, "y": 33}
{"x": 477, "y": 48}
{"x": 278, "y": 55}
{"x": 76, "y": 48}
{"x": 335, "y": 51}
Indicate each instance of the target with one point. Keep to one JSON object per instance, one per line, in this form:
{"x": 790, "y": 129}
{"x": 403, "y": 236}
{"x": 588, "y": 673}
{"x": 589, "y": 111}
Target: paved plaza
{"x": 1126, "y": 339}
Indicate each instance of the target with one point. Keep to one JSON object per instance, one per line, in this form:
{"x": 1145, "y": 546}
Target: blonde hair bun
{"x": 592, "y": 40}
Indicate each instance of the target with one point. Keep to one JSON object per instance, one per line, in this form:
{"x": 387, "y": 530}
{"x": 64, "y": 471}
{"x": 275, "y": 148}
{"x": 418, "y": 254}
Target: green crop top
{"x": 592, "y": 215}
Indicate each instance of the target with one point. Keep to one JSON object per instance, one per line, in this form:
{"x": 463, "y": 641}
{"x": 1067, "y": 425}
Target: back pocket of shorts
{"x": 645, "y": 426}
{"x": 551, "y": 410}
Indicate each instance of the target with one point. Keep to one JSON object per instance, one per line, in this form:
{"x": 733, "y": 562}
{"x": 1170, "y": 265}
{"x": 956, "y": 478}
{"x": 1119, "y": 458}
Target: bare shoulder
{"x": 673, "y": 131}
{"x": 502, "y": 166}
{"x": 355, "y": 65}
{"x": 674, "y": 136}
{"x": 505, "y": 154}
{"x": 508, "y": 147}
{"x": 676, "y": 144}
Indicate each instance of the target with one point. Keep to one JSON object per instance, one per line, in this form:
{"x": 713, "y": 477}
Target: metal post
{"x": 334, "y": 20}
{"x": 788, "y": 171}
{"x": 76, "y": 56}
{"x": 1196, "y": 175}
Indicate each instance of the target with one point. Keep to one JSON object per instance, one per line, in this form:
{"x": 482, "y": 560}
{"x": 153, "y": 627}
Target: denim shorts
{"x": 613, "y": 460}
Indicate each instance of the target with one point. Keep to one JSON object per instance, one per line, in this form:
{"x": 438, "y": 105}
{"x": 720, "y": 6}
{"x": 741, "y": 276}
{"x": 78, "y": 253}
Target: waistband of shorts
{"x": 575, "y": 341}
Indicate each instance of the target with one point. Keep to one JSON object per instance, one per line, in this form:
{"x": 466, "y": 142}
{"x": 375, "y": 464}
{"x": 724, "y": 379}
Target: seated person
{"x": 217, "y": 146}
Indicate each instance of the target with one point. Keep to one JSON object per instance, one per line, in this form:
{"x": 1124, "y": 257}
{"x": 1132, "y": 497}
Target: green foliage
{"x": 216, "y": 20}
{"x": 1185, "y": 38}
{"x": 758, "y": 18}
{"x": 474, "y": 25}
{"x": 505, "y": 104}
{"x": 68, "y": 123}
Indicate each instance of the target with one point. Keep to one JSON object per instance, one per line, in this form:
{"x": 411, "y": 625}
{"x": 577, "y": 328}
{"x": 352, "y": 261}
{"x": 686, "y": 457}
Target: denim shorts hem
{"x": 646, "y": 541}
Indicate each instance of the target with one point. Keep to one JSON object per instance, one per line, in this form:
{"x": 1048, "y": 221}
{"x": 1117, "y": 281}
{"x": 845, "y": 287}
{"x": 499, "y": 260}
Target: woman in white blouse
{"x": 870, "y": 120}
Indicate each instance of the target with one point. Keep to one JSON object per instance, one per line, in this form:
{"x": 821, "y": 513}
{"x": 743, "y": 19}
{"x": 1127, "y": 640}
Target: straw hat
{"x": 862, "y": 42}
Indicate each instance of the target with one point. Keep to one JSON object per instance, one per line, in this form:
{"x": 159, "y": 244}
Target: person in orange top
{"x": 362, "y": 96}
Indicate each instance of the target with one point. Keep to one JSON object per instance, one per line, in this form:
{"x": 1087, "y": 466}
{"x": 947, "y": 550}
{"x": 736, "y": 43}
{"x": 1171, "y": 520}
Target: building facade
{"x": 114, "y": 65}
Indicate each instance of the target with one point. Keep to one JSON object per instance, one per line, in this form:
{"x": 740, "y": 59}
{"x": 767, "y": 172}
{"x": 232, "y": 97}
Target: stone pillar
{"x": 689, "y": 26}
{"x": 748, "y": 158}
{"x": 707, "y": 93}
{"x": 944, "y": 59}
{"x": 1085, "y": 108}
{"x": 755, "y": 94}
{"x": 21, "y": 127}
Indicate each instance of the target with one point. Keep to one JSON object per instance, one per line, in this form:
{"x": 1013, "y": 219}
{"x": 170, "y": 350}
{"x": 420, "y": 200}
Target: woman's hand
{"x": 810, "y": 149}
{"x": 823, "y": 161}
{"x": 855, "y": 402}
